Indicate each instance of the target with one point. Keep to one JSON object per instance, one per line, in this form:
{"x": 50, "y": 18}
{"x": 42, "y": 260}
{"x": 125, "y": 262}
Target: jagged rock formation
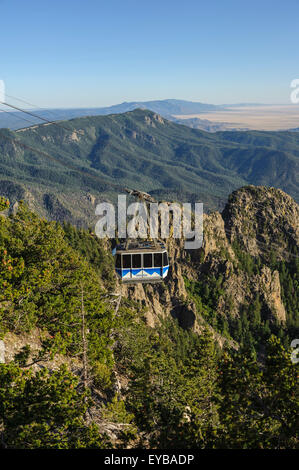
{"x": 258, "y": 221}
{"x": 260, "y": 218}
{"x": 270, "y": 286}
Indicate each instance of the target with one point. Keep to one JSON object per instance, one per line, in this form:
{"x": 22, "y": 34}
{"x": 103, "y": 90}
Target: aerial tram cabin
{"x": 141, "y": 261}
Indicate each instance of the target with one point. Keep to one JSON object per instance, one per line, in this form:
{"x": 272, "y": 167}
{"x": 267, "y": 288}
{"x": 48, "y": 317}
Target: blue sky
{"x": 72, "y": 53}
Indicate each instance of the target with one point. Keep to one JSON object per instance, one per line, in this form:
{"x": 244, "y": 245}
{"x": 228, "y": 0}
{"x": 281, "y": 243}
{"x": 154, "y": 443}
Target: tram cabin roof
{"x": 141, "y": 247}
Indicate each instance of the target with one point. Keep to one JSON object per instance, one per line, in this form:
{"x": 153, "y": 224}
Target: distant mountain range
{"x": 166, "y": 108}
{"x": 99, "y": 156}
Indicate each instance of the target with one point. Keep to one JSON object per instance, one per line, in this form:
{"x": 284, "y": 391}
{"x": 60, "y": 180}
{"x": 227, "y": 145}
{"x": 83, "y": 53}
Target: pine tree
{"x": 44, "y": 410}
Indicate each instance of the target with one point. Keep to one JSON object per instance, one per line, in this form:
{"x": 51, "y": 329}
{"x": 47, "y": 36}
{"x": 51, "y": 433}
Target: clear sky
{"x": 84, "y": 53}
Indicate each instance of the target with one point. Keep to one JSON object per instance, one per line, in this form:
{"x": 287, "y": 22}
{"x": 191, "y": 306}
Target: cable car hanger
{"x": 143, "y": 261}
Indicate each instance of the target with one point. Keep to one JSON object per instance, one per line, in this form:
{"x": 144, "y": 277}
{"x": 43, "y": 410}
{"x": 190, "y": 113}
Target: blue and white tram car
{"x": 141, "y": 262}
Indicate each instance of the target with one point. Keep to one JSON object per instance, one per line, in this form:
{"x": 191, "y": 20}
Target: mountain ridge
{"x": 142, "y": 150}
{"x": 167, "y": 108}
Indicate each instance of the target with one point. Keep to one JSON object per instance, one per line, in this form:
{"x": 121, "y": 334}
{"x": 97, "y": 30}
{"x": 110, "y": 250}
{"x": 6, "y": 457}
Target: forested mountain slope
{"x": 201, "y": 360}
{"x": 86, "y": 159}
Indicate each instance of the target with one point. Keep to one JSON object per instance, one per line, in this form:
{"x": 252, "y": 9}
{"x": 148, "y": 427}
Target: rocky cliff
{"x": 233, "y": 271}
